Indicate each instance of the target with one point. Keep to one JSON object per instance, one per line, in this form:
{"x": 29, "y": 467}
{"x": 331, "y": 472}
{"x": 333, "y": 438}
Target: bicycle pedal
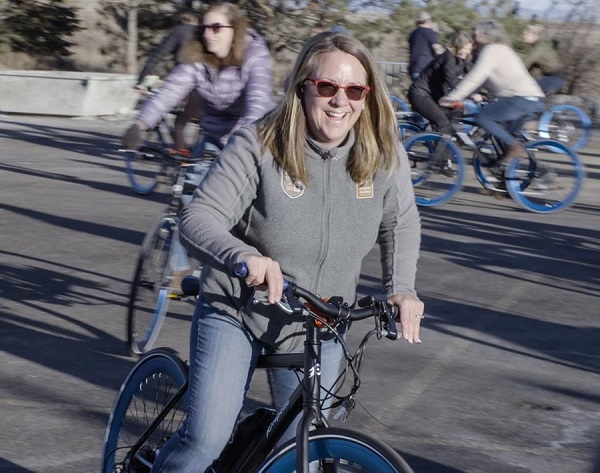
{"x": 465, "y": 139}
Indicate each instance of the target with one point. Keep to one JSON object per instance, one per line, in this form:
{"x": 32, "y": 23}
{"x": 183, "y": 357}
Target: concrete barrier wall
{"x": 66, "y": 93}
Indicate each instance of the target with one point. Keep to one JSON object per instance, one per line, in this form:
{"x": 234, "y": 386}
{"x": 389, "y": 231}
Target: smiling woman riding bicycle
{"x": 306, "y": 192}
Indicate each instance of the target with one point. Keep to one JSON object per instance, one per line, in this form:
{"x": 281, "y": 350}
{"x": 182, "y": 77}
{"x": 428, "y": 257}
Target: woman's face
{"x": 479, "y": 38}
{"x": 529, "y": 37}
{"x": 217, "y": 40}
{"x": 465, "y": 51}
{"x": 330, "y": 119}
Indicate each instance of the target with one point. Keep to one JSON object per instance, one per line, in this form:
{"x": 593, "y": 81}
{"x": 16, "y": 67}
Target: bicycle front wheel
{"x": 437, "y": 168}
{"x": 150, "y": 291}
{"x": 145, "y": 167}
{"x": 566, "y": 123}
{"x": 339, "y": 451}
{"x": 549, "y": 181}
{"x": 149, "y": 387}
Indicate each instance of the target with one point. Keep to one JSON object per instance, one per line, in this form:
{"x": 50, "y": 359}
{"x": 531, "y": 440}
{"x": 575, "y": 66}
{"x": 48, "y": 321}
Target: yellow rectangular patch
{"x": 364, "y": 190}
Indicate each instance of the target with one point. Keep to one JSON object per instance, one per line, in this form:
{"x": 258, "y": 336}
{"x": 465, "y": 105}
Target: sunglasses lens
{"x": 215, "y": 27}
{"x": 329, "y": 89}
{"x": 355, "y": 92}
{"x": 326, "y": 89}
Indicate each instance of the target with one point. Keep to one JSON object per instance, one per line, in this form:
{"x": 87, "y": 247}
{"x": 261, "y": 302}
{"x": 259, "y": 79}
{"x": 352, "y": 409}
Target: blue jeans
{"x": 505, "y": 116}
{"x": 223, "y": 357}
{"x": 179, "y": 260}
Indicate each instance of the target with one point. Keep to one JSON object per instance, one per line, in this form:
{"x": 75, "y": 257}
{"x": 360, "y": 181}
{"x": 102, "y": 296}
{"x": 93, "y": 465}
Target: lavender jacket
{"x": 229, "y": 98}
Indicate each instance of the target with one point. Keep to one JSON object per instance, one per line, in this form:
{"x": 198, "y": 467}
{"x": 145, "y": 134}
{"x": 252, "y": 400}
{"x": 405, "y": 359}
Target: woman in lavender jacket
{"x": 229, "y": 67}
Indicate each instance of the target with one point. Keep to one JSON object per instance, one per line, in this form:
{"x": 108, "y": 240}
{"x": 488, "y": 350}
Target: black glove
{"x": 132, "y": 139}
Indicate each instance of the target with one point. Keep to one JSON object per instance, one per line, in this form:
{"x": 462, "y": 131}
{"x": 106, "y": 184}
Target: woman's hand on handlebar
{"x": 450, "y": 103}
{"x": 478, "y": 98}
{"x": 411, "y": 313}
{"x": 265, "y": 274}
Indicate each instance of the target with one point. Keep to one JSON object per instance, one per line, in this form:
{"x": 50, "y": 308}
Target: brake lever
{"x": 389, "y": 322}
{"x": 390, "y": 325}
{"x": 295, "y": 305}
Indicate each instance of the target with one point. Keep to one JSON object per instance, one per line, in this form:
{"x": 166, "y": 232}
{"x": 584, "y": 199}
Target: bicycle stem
{"x": 311, "y": 383}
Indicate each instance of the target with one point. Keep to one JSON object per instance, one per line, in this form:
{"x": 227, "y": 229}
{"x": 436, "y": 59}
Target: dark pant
{"x": 504, "y": 117}
{"x": 428, "y": 107}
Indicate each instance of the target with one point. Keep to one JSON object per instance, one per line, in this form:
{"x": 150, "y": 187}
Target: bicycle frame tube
{"x": 305, "y": 399}
{"x": 311, "y": 383}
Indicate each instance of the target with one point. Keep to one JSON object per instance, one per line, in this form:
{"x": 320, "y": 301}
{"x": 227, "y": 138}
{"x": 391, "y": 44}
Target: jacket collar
{"x": 317, "y": 150}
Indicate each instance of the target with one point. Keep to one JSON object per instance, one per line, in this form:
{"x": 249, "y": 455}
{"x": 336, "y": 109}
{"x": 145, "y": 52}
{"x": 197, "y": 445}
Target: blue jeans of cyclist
{"x": 504, "y": 117}
{"x": 223, "y": 356}
{"x": 179, "y": 258}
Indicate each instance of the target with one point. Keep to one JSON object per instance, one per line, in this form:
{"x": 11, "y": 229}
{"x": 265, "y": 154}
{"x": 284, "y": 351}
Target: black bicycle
{"x": 151, "y": 403}
{"x": 152, "y": 286}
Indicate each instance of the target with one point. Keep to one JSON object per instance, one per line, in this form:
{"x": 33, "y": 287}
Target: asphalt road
{"x": 507, "y": 378}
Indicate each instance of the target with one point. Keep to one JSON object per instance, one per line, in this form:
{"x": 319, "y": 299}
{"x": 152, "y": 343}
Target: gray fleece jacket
{"x": 319, "y": 233}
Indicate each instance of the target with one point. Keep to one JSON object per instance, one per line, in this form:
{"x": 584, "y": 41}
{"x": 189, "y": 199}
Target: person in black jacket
{"x": 172, "y": 45}
{"x": 439, "y": 78}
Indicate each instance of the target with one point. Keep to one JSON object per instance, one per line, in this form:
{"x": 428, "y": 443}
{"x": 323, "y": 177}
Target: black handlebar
{"x": 335, "y": 308}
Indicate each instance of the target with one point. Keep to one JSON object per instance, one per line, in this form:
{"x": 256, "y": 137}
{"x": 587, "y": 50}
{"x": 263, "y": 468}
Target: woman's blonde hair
{"x": 284, "y": 131}
{"x": 195, "y": 51}
{"x": 458, "y": 41}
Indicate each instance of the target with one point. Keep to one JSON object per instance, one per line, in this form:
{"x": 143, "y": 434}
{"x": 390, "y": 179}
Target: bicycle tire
{"x": 485, "y": 156}
{"x": 548, "y": 184}
{"x": 145, "y": 168}
{"x": 433, "y": 185}
{"x": 406, "y": 129}
{"x": 567, "y": 124}
{"x": 399, "y": 104}
{"x": 150, "y": 292}
{"x": 150, "y": 384}
{"x": 339, "y": 451}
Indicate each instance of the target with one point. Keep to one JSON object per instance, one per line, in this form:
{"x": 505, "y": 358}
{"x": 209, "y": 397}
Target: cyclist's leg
{"x": 222, "y": 357}
{"x": 206, "y": 143}
{"x": 283, "y": 382}
{"x": 495, "y": 116}
{"x": 191, "y": 110}
{"x": 427, "y": 107}
{"x": 180, "y": 261}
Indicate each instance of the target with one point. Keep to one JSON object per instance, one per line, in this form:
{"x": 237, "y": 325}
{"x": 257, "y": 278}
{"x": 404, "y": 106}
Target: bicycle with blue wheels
{"x": 547, "y": 180}
{"x": 151, "y": 403}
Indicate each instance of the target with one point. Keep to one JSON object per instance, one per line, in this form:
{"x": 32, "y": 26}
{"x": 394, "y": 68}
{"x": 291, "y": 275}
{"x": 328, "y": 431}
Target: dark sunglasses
{"x": 326, "y": 88}
{"x": 215, "y": 27}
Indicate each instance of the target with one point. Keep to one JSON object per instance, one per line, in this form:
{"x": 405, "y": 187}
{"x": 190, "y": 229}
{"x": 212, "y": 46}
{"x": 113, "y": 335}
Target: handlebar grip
{"x": 240, "y": 270}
